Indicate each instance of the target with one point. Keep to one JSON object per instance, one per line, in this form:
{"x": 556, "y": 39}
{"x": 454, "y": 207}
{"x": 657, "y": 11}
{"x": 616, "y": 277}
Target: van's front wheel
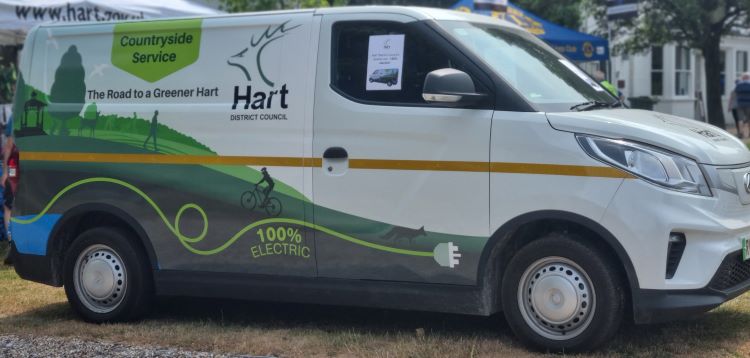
{"x": 106, "y": 277}
{"x": 562, "y": 295}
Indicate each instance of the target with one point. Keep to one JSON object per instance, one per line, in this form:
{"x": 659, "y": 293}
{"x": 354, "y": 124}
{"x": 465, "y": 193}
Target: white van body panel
{"x": 712, "y": 227}
{"x": 450, "y": 202}
{"x": 703, "y": 142}
{"x": 418, "y": 13}
{"x": 528, "y": 138}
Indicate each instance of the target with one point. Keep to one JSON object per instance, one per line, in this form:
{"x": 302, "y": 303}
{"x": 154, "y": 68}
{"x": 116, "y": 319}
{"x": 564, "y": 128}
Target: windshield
{"x": 541, "y": 75}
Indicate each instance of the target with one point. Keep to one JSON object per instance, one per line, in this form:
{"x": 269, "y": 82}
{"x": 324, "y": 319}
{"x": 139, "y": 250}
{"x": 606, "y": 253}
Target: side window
{"x": 350, "y": 58}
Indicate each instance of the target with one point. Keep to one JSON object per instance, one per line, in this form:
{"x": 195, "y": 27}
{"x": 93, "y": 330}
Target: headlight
{"x": 655, "y": 165}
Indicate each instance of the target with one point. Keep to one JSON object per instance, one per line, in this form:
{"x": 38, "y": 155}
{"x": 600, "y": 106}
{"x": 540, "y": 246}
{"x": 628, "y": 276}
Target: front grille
{"x": 732, "y": 272}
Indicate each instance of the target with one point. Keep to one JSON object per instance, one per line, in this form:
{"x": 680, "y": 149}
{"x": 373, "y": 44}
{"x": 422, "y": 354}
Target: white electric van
{"x": 390, "y": 157}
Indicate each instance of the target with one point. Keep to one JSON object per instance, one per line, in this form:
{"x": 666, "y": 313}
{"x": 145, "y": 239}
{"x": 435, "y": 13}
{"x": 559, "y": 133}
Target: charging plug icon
{"x": 446, "y": 254}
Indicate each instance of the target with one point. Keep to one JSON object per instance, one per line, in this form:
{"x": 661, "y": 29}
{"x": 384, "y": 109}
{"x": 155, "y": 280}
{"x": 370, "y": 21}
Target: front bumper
{"x": 37, "y": 268}
{"x": 730, "y": 280}
{"x": 642, "y": 217}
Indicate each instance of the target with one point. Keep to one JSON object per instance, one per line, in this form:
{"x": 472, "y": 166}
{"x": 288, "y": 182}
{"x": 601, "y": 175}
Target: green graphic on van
{"x": 445, "y": 254}
{"x": 280, "y": 240}
{"x": 260, "y": 197}
{"x": 89, "y": 120}
{"x": 32, "y": 106}
{"x": 270, "y": 35}
{"x": 68, "y": 93}
{"x": 152, "y": 50}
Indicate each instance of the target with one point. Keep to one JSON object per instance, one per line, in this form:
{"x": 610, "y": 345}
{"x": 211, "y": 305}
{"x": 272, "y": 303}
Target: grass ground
{"x": 294, "y": 330}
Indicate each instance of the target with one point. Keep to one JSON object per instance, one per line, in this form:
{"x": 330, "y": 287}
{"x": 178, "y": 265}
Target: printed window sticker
{"x": 385, "y": 61}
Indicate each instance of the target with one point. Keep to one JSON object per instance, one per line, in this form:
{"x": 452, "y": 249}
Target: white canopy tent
{"x": 17, "y": 17}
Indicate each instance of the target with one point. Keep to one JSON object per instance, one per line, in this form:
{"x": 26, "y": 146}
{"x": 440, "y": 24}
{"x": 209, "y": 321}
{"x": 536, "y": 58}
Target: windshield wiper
{"x": 590, "y": 105}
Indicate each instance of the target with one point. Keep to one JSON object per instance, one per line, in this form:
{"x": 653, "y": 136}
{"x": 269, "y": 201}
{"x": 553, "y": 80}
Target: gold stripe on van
{"x": 556, "y": 169}
{"x": 451, "y": 166}
{"x": 169, "y": 159}
{"x": 381, "y": 164}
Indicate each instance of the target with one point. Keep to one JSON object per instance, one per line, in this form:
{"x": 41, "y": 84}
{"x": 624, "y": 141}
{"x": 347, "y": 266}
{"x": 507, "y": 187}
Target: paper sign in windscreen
{"x": 385, "y": 60}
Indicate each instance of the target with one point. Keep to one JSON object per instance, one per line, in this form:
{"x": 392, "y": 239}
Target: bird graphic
{"x": 51, "y": 40}
{"x": 98, "y": 70}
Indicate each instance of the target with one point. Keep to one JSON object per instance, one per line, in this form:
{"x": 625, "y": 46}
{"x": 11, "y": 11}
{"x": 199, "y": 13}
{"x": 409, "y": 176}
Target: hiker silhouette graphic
{"x": 152, "y": 131}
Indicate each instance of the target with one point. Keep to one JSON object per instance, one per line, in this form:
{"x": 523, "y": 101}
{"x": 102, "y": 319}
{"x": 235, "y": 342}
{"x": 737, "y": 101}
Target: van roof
{"x": 418, "y": 13}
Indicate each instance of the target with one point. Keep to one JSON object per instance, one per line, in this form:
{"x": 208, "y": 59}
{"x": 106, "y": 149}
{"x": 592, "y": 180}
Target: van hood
{"x": 705, "y": 143}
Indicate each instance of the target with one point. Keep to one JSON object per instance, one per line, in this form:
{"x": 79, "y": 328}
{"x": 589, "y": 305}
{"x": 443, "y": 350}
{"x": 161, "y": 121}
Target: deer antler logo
{"x": 271, "y": 34}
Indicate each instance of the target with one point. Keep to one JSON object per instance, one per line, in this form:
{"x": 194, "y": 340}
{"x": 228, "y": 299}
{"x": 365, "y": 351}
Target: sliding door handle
{"x": 335, "y": 153}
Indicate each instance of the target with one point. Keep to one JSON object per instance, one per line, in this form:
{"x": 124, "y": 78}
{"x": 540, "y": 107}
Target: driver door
{"x": 402, "y": 190}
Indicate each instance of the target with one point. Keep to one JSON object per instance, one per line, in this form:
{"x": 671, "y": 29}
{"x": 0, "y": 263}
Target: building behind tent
{"x": 673, "y": 75}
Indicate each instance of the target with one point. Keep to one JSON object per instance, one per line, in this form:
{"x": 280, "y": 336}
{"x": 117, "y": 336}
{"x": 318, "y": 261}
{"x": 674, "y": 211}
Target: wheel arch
{"x": 87, "y": 216}
{"x": 525, "y": 228}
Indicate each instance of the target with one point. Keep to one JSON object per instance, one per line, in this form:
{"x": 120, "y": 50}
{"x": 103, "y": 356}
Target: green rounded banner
{"x": 152, "y": 50}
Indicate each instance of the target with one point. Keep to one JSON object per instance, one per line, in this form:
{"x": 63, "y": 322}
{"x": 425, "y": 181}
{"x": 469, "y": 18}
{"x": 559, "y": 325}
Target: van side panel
{"x": 36, "y": 244}
{"x": 415, "y": 177}
{"x": 556, "y": 174}
{"x": 172, "y": 122}
{"x": 565, "y": 178}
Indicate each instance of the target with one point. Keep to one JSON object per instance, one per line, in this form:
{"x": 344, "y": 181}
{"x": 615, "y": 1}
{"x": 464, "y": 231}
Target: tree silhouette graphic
{"x": 20, "y": 98}
{"x": 90, "y": 112}
{"x": 68, "y": 92}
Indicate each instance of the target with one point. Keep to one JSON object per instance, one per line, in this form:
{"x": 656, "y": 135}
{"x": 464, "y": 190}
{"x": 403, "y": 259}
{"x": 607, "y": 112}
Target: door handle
{"x": 335, "y": 153}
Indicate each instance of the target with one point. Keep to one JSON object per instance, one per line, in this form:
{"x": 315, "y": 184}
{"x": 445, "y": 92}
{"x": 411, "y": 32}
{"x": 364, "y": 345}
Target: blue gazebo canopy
{"x": 574, "y": 45}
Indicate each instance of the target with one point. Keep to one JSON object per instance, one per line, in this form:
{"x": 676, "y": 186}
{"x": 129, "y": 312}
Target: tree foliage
{"x": 692, "y": 23}
{"x": 7, "y": 80}
{"x": 68, "y": 92}
{"x": 562, "y": 12}
{"x": 697, "y": 24}
{"x": 425, "y": 3}
{"x": 263, "y": 5}
{"x": 90, "y": 112}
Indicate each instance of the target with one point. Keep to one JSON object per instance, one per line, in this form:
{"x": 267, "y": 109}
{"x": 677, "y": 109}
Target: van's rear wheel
{"x": 562, "y": 295}
{"x": 107, "y": 277}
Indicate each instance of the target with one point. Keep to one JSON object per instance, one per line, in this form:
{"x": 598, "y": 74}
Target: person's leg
{"x": 266, "y": 194}
{"x": 4, "y": 240}
{"x": 4, "y": 232}
{"x": 146, "y": 141}
{"x": 737, "y": 121}
{"x": 5, "y": 251}
{"x": 8, "y": 197}
{"x": 6, "y": 221}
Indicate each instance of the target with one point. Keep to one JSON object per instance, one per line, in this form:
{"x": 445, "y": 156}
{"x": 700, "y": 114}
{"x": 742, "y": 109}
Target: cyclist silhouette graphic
{"x": 269, "y": 186}
{"x": 260, "y": 197}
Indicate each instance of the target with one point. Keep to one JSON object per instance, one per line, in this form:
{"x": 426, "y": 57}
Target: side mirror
{"x": 450, "y": 87}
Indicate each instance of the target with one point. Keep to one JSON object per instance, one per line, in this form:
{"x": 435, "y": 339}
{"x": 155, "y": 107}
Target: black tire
{"x": 273, "y": 207}
{"x": 136, "y": 291}
{"x": 248, "y": 200}
{"x": 598, "y": 306}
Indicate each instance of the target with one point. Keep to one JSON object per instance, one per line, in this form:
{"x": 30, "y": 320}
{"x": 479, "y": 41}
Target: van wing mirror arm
{"x": 453, "y": 98}
{"x": 450, "y": 87}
